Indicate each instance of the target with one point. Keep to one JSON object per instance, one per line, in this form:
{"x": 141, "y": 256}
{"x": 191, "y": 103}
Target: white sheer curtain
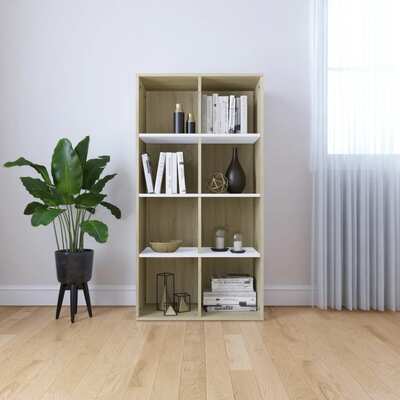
{"x": 356, "y": 154}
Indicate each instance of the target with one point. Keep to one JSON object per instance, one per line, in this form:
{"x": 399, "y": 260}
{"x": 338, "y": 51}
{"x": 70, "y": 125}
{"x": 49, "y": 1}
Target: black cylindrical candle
{"x": 190, "y": 124}
{"x": 179, "y": 119}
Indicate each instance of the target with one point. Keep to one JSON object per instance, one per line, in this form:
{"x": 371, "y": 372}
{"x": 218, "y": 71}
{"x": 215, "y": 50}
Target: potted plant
{"x": 68, "y": 200}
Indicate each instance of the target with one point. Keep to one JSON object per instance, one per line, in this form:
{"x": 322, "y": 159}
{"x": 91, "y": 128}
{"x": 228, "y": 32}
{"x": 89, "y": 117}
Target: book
{"x": 237, "y": 114}
{"x": 243, "y": 114}
{"x": 215, "y": 114}
{"x": 147, "y": 173}
{"x": 244, "y": 298}
{"x": 223, "y": 116}
{"x": 174, "y": 173}
{"x": 232, "y": 283}
{"x": 168, "y": 173}
{"x": 204, "y": 113}
{"x": 160, "y": 173}
{"x": 181, "y": 173}
{"x": 232, "y": 114}
{"x": 209, "y": 114}
{"x": 233, "y": 308}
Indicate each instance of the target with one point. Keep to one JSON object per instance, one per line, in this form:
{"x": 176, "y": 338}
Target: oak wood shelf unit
{"x": 193, "y": 217}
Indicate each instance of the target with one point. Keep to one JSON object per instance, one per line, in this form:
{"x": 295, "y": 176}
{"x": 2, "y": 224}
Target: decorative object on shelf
{"x": 219, "y": 240}
{"x": 69, "y": 197}
{"x": 179, "y": 119}
{"x": 218, "y": 183}
{"x": 237, "y": 243}
{"x": 165, "y": 289}
{"x": 190, "y": 124}
{"x": 235, "y": 174}
{"x": 166, "y": 247}
{"x": 170, "y": 311}
{"x": 182, "y": 302}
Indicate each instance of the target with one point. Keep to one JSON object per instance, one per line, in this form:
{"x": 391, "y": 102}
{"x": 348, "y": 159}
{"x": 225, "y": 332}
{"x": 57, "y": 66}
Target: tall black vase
{"x": 235, "y": 174}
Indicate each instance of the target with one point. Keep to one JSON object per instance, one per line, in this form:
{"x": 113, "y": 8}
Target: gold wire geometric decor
{"x": 218, "y": 183}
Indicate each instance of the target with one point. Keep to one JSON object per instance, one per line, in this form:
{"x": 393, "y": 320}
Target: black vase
{"x": 74, "y": 268}
{"x": 235, "y": 174}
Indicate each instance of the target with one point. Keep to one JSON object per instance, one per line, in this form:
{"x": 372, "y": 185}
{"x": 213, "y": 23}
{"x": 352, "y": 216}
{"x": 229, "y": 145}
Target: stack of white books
{"x": 231, "y": 293}
{"x": 170, "y": 165}
{"x": 224, "y": 114}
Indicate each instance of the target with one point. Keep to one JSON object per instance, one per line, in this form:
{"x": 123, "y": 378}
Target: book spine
{"x": 233, "y": 280}
{"x": 181, "y": 173}
{"x": 233, "y": 308}
{"x": 215, "y": 124}
{"x": 174, "y": 173}
{"x": 231, "y": 300}
{"x": 231, "y": 114}
{"x": 226, "y": 114}
{"x": 243, "y": 114}
{"x": 168, "y": 173}
{"x": 147, "y": 173}
{"x": 160, "y": 173}
{"x": 209, "y": 114}
{"x": 204, "y": 113}
{"x": 237, "y": 114}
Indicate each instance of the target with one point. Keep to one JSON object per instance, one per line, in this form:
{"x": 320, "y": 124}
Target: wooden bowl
{"x": 166, "y": 247}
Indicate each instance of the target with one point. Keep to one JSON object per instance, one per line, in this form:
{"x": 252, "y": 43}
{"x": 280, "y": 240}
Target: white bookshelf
{"x": 193, "y": 217}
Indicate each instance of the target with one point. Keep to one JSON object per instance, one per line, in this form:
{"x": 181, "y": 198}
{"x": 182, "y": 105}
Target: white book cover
{"x": 181, "y": 173}
{"x": 174, "y": 172}
{"x": 209, "y": 114}
{"x": 168, "y": 173}
{"x": 243, "y": 114}
{"x": 231, "y": 114}
{"x": 160, "y": 173}
{"x": 226, "y": 114}
{"x": 204, "y": 113}
{"x": 237, "y": 114}
{"x": 215, "y": 125}
{"x": 147, "y": 173}
{"x": 222, "y": 110}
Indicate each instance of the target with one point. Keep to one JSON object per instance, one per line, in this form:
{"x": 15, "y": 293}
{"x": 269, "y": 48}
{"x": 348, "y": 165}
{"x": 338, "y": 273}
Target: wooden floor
{"x": 296, "y": 353}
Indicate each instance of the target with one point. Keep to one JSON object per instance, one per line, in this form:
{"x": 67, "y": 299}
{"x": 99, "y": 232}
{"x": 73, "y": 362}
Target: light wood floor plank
{"x": 295, "y": 354}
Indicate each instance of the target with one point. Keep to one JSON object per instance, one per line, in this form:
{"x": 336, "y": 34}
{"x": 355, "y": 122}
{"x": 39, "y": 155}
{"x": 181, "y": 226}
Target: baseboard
{"x": 125, "y": 295}
{"x": 288, "y": 295}
{"x": 101, "y": 295}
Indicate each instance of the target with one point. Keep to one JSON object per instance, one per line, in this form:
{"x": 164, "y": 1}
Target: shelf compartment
{"x": 218, "y": 158}
{"x": 234, "y": 214}
{"x": 205, "y": 138}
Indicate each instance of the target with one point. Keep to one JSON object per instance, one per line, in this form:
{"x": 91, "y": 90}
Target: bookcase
{"x": 193, "y": 217}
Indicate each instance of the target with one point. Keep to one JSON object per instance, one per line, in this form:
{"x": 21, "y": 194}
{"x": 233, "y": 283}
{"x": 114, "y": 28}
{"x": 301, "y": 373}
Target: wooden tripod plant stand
{"x": 73, "y": 288}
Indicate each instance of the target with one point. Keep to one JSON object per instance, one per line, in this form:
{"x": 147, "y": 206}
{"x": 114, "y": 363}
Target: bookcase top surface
{"x": 191, "y": 81}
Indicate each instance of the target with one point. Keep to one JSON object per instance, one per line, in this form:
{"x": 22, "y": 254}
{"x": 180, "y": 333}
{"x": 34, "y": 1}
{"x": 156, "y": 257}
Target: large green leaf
{"x": 66, "y": 168}
{"x": 89, "y": 199}
{"x": 114, "y": 209}
{"x": 93, "y": 170}
{"x": 99, "y": 185}
{"x": 43, "y": 216}
{"x": 82, "y": 150}
{"x": 98, "y": 230}
{"x": 31, "y": 207}
{"x": 21, "y": 162}
{"x": 37, "y": 188}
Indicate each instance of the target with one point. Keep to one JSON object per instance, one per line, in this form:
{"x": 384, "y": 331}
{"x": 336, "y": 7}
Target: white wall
{"x": 68, "y": 69}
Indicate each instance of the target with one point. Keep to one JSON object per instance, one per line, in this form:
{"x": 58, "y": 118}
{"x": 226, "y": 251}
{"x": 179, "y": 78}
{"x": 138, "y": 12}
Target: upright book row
{"x": 170, "y": 165}
{"x": 224, "y": 114}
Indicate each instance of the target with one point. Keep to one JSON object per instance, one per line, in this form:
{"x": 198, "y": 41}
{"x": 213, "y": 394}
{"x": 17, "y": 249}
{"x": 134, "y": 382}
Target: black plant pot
{"x": 74, "y": 268}
{"x": 235, "y": 174}
{"x": 74, "y": 271}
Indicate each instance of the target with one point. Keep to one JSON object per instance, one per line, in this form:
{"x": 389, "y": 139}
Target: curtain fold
{"x": 355, "y": 157}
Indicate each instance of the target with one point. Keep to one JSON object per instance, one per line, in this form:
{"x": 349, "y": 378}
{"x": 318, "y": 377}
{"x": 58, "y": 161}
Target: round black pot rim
{"x": 67, "y": 252}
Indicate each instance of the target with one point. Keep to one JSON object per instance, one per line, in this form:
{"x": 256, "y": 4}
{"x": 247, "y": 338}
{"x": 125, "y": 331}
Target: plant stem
{"x": 81, "y": 241}
{"x": 62, "y": 231}
{"x": 71, "y": 213}
{"x": 68, "y": 229}
{"x": 55, "y": 234}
